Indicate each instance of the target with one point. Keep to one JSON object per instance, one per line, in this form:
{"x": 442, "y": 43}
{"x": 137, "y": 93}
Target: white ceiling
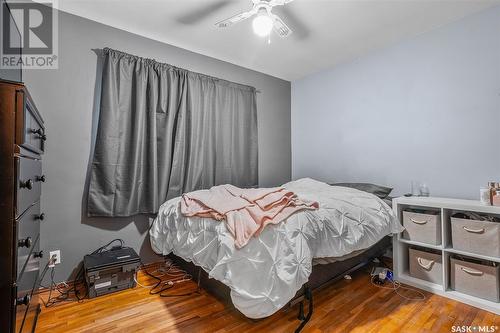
{"x": 327, "y": 32}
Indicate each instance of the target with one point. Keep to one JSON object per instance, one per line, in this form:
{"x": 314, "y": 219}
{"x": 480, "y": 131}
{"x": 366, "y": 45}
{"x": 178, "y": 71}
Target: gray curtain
{"x": 164, "y": 131}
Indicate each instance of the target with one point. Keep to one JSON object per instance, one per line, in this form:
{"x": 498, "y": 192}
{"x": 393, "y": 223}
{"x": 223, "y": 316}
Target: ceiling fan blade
{"x": 281, "y": 28}
{"x": 202, "y": 12}
{"x": 235, "y": 19}
{"x": 279, "y": 2}
{"x": 300, "y": 29}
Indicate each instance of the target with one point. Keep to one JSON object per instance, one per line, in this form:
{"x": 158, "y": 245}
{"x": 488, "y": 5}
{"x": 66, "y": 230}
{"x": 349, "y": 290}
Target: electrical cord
{"x": 63, "y": 294}
{"x": 174, "y": 275}
{"x": 105, "y": 247}
{"x": 45, "y": 269}
{"x": 156, "y": 277}
{"x": 396, "y": 286}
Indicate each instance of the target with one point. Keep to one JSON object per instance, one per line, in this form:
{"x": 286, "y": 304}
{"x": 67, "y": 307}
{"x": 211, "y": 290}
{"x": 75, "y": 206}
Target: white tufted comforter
{"x": 266, "y": 273}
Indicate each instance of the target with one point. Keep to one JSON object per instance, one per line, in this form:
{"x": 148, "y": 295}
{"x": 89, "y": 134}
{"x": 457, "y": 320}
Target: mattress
{"x": 267, "y": 273}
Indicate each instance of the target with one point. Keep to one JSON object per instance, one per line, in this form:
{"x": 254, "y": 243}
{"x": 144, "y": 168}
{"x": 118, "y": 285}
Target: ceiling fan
{"x": 264, "y": 20}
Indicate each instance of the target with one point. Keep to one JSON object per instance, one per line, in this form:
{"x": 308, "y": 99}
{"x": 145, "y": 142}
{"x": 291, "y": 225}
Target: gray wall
{"x": 66, "y": 99}
{"x": 427, "y": 110}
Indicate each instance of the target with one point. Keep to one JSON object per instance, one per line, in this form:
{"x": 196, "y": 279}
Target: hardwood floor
{"x": 347, "y": 306}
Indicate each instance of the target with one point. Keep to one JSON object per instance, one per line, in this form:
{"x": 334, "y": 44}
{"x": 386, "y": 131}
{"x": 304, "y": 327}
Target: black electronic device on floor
{"x": 110, "y": 271}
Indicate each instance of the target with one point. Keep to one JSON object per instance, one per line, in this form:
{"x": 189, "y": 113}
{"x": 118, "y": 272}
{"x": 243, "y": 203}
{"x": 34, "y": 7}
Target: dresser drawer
{"x": 29, "y": 178}
{"x": 26, "y": 282}
{"x": 27, "y": 305}
{"x": 30, "y": 262}
{"x": 29, "y": 125}
{"x": 27, "y": 309}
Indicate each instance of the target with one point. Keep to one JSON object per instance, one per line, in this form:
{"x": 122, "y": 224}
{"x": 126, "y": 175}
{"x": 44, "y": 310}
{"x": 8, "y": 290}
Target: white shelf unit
{"x": 447, "y": 207}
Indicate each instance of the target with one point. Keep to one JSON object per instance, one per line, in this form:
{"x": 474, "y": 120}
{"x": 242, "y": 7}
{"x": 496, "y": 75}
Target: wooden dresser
{"x": 22, "y": 142}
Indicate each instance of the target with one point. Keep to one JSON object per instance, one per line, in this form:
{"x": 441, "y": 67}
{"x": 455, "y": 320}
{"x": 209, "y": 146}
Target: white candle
{"x": 484, "y": 196}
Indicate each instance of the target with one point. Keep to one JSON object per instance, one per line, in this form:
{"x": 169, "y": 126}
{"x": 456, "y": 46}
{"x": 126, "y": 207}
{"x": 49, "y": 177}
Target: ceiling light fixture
{"x": 264, "y": 20}
{"x": 263, "y": 24}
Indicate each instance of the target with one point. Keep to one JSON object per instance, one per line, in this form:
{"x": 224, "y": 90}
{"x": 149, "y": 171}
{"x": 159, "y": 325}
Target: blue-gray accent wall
{"x": 426, "y": 109}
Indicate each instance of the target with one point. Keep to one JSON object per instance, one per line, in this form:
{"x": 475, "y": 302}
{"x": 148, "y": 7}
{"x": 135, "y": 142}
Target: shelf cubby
{"x": 401, "y": 245}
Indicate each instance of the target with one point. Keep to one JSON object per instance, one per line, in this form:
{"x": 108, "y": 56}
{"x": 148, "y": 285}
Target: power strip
{"x": 379, "y": 270}
{"x": 379, "y": 275}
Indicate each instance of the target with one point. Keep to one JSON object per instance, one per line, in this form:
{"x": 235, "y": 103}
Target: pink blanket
{"x": 245, "y": 211}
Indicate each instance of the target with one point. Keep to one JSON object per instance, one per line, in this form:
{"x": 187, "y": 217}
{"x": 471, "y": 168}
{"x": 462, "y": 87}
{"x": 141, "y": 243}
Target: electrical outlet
{"x": 56, "y": 253}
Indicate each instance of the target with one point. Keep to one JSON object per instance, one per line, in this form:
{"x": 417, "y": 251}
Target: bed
{"x": 288, "y": 259}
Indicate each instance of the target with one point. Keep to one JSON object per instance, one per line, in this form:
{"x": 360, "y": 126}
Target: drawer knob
{"x": 28, "y": 184}
{"x": 23, "y": 300}
{"x": 40, "y": 133}
{"x": 38, "y": 254}
{"x": 41, "y": 178}
{"x": 40, "y": 217}
{"x": 25, "y": 242}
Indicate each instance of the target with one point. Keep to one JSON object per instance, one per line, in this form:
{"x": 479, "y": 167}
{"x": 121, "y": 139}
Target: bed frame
{"x": 321, "y": 276}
